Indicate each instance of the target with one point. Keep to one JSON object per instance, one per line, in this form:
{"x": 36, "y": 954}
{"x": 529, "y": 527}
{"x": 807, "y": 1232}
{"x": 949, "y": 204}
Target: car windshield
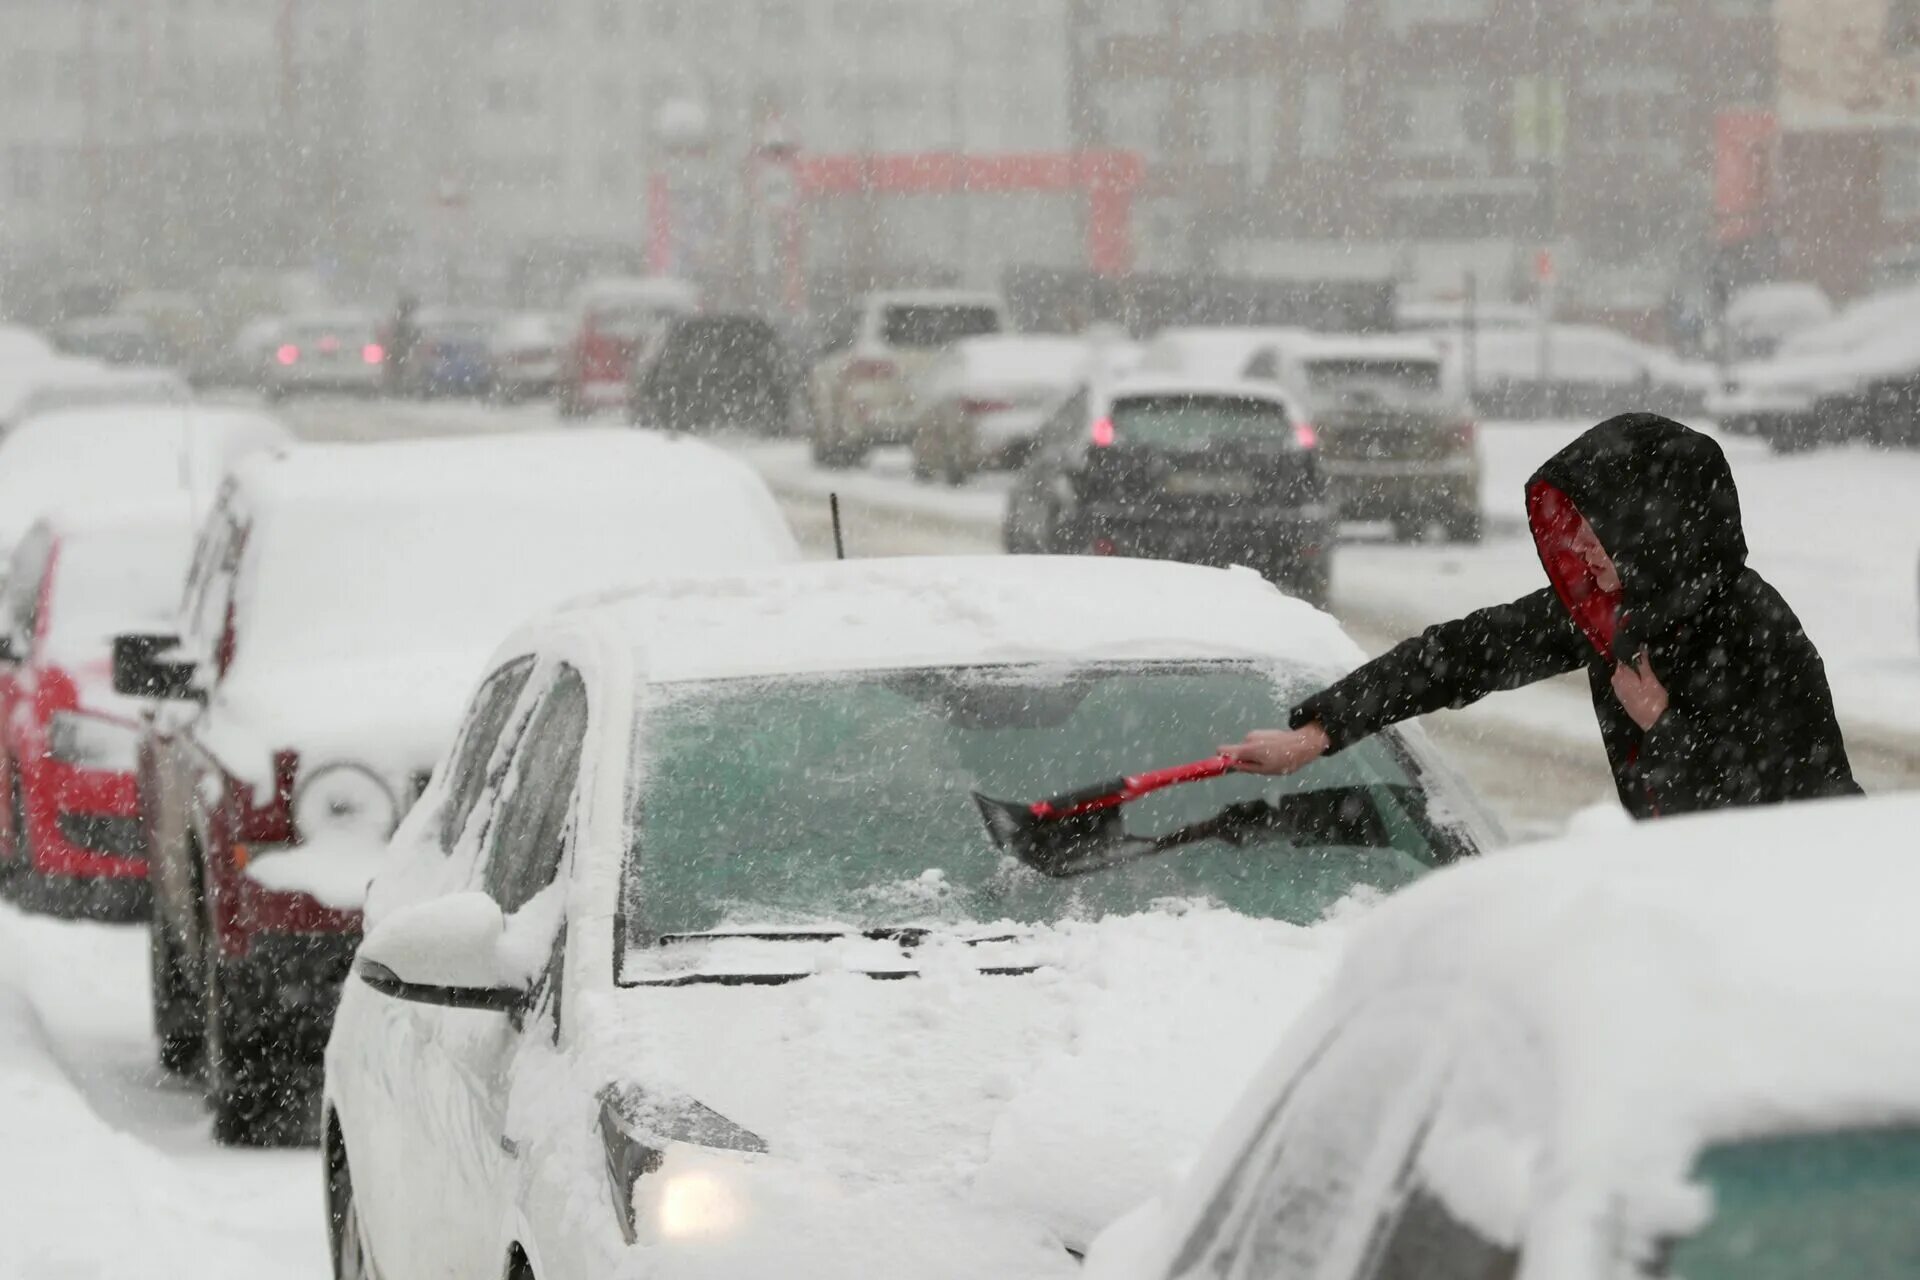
{"x": 936, "y": 326}
{"x": 1403, "y": 378}
{"x": 1187, "y": 422}
{"x": 843, "y": 801}
{"x": 1809, "y": 1206}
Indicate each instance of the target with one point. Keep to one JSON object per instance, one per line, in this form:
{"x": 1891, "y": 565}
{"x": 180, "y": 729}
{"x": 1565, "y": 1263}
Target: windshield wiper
{"x": 908, "y": 936}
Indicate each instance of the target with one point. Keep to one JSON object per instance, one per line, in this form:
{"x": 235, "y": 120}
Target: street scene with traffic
{"x": 960, "y": 638}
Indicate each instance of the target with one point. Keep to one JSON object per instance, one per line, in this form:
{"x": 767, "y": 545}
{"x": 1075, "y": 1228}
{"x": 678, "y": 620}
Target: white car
{"x": 1212, "y": 351}
{"x": 1680, "y": 1049}
{"x": 526, "y": 354}
{"x": 122, "y": 455}
{"x": 32, "y": 387}
{"x": 695, "y": 958}
{"x": 336, "y": 352}
{"x": 343, "y": 597}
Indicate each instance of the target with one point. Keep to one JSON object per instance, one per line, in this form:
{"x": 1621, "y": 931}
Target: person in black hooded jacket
{"x": 1708, "y": 691}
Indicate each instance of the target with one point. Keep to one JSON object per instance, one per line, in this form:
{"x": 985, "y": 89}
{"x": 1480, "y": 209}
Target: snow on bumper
{"x": 333, "y": 872}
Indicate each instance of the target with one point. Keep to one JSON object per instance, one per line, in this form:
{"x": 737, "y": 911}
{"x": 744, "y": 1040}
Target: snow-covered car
{"x": 862, "y": 390}
{"x": 695, "y": 959}
{"x": 30, "y": 388}
{"x": 340, "y": 602}
{"x": 981, "y": 404}
{"x": 1680, "y": 1049}
{"x": 21, "y": 345}
{"x": 1211, "y": 351}
{"x": 1760, "y": 317}
{"x": 123, "y": 455}
{"x": 1397, "y": 439}
{"x": 611, "y": 323}
{"x": 70, "y": 838}
{"x": 717, "y": 372}
{"x": 1581, "y": 371}
{"x": 526, "y": 355}
{"x": 1212, "y": 471}
{"x": 335, "y": 352}
{"x": 454, "y": 354}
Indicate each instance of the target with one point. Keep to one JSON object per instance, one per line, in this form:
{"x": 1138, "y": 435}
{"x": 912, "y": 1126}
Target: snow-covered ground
{"x": 110, "y": 1168}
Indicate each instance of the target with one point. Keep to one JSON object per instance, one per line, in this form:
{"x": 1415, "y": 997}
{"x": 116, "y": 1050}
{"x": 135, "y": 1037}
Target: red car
{"x": 71, "y": 839}
{"x": 613, "y": 320}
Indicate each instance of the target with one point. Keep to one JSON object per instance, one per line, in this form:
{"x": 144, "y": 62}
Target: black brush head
{"x": 1051, "y": 846}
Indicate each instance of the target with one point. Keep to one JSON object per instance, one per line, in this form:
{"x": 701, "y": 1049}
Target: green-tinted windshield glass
{"x": 1809, "y": 1208}
{"x": 845, "y": 800}
{"x": 1195, "y": 422}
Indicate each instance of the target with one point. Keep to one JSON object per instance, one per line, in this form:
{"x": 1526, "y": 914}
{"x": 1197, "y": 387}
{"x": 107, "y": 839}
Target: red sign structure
{"x": 1108, "y": 179}
{"x": 1743, "y": 143}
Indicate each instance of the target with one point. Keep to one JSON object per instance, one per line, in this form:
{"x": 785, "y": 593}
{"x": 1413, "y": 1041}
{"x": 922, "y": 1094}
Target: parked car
{"x": 341, "y": 599}
{"x": 1397, "y": 439}
{"x": 21, "y": 345}
{"x": 122, "y": 456}
{"x": 114, "y": 339}
{"x": 526, "y": 355}
{"x": 980, "y": 404}
{"x": 1584, "y": 371}
{"x": 1760, "y": 317}
{"x": 454, "y": 355}
{"x": 31, "y": 388}
{"x": 1210, "y": 351}
{"x": 1846, "y": 380}
{"x": 1617, "y": 1055}
{"x": 1213, "y": 472}
{"x": 718, "y": 371}
{"x": 629, "y": 942}
{"x": 862, "y": 389}
{"x": 333, "y": 352}
{"x": 70, "y": 837}
{"x": 612, "y": 322}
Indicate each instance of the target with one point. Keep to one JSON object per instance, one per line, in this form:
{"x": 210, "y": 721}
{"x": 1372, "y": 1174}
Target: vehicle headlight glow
{"x": 344, "y": 799}
{"x": 91, "y": 742}
{"x": 699, "y": 1203}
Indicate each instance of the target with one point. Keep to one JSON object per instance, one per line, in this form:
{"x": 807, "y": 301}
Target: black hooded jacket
{"x": 1750, "y": 718}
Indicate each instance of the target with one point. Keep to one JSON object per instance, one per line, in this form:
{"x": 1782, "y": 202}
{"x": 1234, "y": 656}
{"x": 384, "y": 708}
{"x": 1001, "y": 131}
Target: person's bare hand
{"x": 1640, "y": 692}
{"x": 1277, "y": 752}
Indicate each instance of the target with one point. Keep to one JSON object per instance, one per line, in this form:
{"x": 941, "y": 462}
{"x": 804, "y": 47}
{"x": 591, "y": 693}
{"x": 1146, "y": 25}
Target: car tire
{"x": 178, "y": 1021}
{"x": 239, "y": 1065}
{"x": 352, "y": 1258}
{"x": 1465, "y": 526}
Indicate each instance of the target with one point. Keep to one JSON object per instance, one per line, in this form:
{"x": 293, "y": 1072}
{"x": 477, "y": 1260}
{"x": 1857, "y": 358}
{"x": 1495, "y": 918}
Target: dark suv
{"x": 1209, "y": 472}
{"x": 711, "y": 372}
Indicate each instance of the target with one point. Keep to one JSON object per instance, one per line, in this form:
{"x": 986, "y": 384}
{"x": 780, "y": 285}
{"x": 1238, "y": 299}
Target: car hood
{"x": 1066, "y": 1094}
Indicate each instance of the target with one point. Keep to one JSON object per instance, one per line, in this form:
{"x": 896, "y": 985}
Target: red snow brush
{"x": 1062, "y": 831}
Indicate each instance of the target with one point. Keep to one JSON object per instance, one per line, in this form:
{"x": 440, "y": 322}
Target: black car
{"x": 711, "y": 372}
{"x": 1211, "y": 473}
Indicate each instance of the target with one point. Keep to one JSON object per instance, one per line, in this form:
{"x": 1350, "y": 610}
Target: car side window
{"x": 1263, "y": 367}
{"x": 1427, "y": 1242}
{"x": 467, "y": 770}
{"x": 527, "y": 835}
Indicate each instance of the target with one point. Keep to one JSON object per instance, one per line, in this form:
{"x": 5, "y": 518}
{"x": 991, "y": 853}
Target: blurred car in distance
{"x": 113, "y": 339}
{"x": 1578, "y": 371}
{"x": 611, "y": 323}
{"x": 981, "y": 403}
{"x": 453, "y": 355}
{"x": 862, "y": 388}
{"x": 336, "y": 352}
{"x": 526, "y": 348}
{"x": 70, "y": 834}
{"x": 1595, "y": 1057}
{"x": 1210, "y": 351}
{"x": 1208, "y": 471}
{"x": 123, "y": 455}
{"x": 699, "y": 910}
{"x": 1397, "y": 439}
{"x": 1762, "y": 316}
{"x": 341, "y": 601}
{"x": 717, "y": 371}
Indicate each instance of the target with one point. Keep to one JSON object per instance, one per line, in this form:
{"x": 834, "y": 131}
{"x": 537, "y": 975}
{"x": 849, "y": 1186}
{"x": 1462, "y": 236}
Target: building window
{"x": 1322, "y": 116}
{"x": 1900, "y": 177}
{"x": 1433, "y": 121}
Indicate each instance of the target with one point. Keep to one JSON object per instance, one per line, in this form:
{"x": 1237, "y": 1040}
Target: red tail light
{"x": 1305, "y": 435}
{"x": 329, "y": 345}
{"x": 602, "y": 356}
{"x": 972, "y": 407}
{"x": 287, "y": 354}
{"x": 373, "y": 353}
{"x": 271, "y": 822}
{"x": 1464, "y": 435}
{"x": 1105, "y": 547}
{"x": 869, "y": 370}
{"x": 1103, "y": 433}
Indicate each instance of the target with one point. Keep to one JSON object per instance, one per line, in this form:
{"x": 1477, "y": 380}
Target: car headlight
{"x": 90, "y": 742}
{"x": 344, "y": 799}
{"x": 637, "y": 1126}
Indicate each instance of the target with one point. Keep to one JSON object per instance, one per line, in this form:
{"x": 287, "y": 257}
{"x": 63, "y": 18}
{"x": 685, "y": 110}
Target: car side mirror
{"x": 140, "y": 672}
{"x": 444, "y": 952}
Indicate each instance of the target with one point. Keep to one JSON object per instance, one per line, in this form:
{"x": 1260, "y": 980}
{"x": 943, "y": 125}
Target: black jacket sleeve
{"x": 1449, "y": 665}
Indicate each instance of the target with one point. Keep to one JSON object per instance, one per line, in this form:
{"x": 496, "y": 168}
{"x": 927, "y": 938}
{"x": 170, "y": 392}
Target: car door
{"x": 469, "y": 1055}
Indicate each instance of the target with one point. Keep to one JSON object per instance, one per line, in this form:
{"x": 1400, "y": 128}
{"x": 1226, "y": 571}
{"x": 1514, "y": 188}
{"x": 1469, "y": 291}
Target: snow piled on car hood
{"x": 1059, "y": 1097}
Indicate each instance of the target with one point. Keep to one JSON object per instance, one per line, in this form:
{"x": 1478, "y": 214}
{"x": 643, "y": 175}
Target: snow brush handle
{"x": 1118, "y": 791}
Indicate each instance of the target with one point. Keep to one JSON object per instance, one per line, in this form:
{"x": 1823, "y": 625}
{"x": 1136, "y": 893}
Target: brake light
{"x": 1103, "y": 433}
{"x": 1105, "y": 547}
{"x": 272, "y": 822}
{"x": 869, "y": 370}
{"x": 1464, "y": 434}
{"x": 972, "y": 407}
{"x": 287, "y": 354}
{"x": 373, "y": 353}
{"x": 329, "y": 345}
{"x": 1305, "y": 435}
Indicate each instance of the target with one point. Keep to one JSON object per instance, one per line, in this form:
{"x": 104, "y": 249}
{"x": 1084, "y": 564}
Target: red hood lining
{"x": 1554, "y": 520}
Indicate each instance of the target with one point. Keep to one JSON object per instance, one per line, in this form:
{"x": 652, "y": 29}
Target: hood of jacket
{"x": 1661, "y": 499}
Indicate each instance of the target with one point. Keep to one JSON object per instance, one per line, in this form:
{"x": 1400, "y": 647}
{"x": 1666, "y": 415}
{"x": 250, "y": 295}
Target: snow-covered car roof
{"x": 887, "y": 614}
{"x": 121, "y": 454}
{"x": 121, "y": 569}
{"x": 18, "y": 343}
{"x": 1210, "y": 350}
{"x": 1688, "y": 981}
{"x": 1324, "y": 346}
{"x": 68, "y": 383}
